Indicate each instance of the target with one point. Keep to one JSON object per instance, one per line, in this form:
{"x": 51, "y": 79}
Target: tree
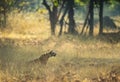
{"x": 71, "y": 29}
{"x": 91, "y": 21}
{"x": 101, "y": 17}
{"x": 69, "y": 9}
{"x": 53, "y": 14}
{"x": 5, "y": 6}
{"x": 3, "y": 10}
{"x": 101, "y": 7}
{"x": 64, "y": 3}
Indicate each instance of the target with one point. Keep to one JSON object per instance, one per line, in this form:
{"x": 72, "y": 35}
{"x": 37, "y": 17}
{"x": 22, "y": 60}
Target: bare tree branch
{"x": 46, "y": 5}
{"x": 62, "y": 19}
{"x": 86, "y": 19}
{"x": 61, "y": 8}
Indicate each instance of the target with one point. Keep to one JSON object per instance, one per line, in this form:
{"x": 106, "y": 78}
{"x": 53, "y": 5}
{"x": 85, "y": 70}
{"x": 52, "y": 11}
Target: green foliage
{"x": 81, "y": 2}
{"x": 6, "y": 4}
{"x": 55, "y": 2}
{"x": 24, "y": 4}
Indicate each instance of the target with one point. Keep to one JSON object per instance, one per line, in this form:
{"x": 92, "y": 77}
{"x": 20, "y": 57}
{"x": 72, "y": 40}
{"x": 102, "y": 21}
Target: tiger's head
{"x": 44, "y": 58}
{"x": 52, "y": 53}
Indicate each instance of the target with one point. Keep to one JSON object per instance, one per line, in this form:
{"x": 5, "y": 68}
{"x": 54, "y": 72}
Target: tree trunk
{"x": 52, "y": 16}
{"x": 91, "y": 21}
{"x": 71, "y": 17}
{"x": 53, "y": 20}
{"x": 101, "y": 17}
{"x": 62, "y": 19}
{"x": 86, "y": 22}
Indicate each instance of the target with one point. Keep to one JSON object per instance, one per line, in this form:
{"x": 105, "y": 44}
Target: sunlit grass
{"x": 26, "y": 25}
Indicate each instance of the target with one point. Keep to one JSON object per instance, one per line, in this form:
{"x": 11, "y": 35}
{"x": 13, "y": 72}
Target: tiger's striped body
{"x": 43, "y": 59}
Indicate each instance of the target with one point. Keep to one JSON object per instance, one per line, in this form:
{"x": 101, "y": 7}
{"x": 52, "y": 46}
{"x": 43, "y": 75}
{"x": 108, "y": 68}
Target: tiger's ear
{"x": 51, "y": 51}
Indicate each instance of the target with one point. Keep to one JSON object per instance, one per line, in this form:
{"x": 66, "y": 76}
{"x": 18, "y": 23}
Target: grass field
{"x": 79, "y": 58}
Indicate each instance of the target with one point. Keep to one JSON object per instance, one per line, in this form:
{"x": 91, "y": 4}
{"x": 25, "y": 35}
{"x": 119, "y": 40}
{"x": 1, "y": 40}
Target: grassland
{"x": 79, "y": 58}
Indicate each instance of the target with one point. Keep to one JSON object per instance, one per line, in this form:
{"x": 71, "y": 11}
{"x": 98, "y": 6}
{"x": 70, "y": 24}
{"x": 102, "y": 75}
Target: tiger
{"x": 43, "y": 59}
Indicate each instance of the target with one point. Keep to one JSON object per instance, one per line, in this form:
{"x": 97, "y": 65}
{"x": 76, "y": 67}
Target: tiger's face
{"x": 52, "y": 53}
{"x": 44, "y": 58}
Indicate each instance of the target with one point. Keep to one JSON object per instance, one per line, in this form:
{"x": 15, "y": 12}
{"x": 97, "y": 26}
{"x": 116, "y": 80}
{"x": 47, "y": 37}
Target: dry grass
{"x": 79, "y": 58}
{"x": 76, "y": 60}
